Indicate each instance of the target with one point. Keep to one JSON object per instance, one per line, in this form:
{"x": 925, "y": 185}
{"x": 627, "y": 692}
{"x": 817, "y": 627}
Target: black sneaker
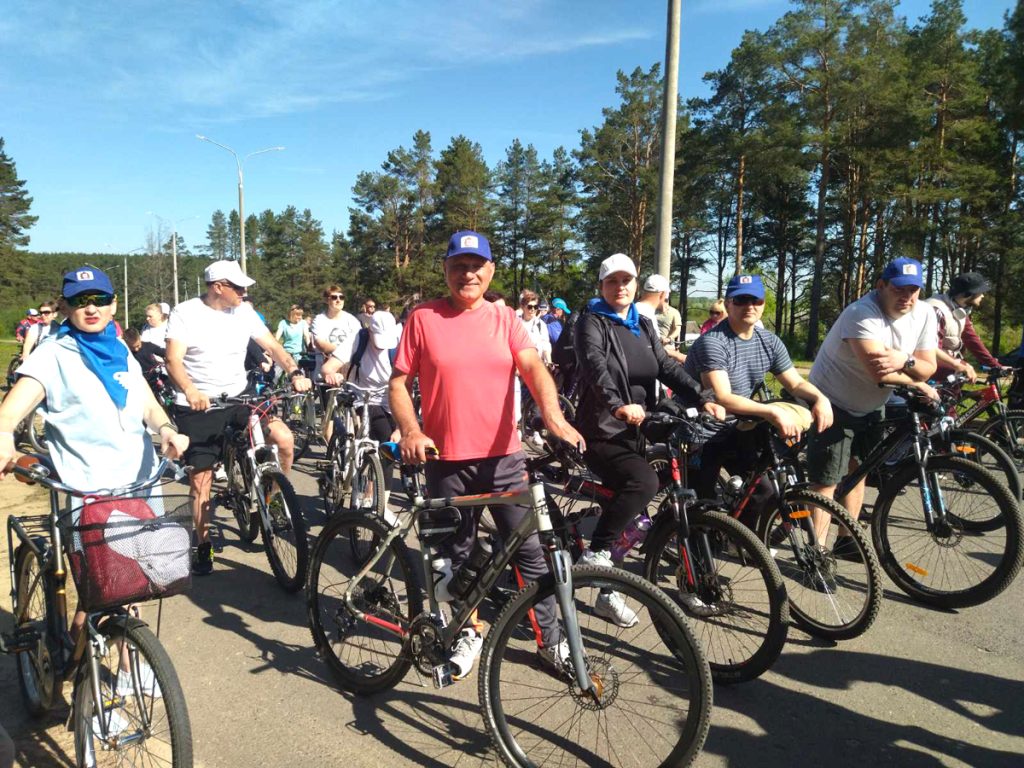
{"x": 822, "y": 576}
{"x": 846, "y": 548}
{"x": 202, "y": 563}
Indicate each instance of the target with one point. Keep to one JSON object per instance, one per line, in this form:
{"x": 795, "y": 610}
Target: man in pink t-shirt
{"x": 465, "y": 352}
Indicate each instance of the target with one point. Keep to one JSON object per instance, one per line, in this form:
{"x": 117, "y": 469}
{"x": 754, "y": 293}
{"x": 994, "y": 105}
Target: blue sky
{"x": 101, "y": 102}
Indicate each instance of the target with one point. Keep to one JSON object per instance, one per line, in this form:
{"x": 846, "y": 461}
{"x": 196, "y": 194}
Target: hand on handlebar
{"x": 197, "y": 401}
{"x": 968, "y": 370}
{"x": 925, "y": 390}
{"x": 714, "y": 409}
{"x": 784, "y": 422}
{"x": 301, "y": 383}
{"x": 631, "y": 414}
{"x": 414, "y": 447}
{"x": 173, "y": 444}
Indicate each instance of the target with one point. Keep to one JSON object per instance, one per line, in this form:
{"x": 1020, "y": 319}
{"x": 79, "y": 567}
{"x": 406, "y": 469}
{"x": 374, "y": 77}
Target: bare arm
{"x": 270, "y": 345}
{"x": 718, "y": 382}
{"x": 24, "y": 396}
{"x": 799, "y": 387}
{"x": 173, "y": 444}
{"x": 414, "y": 443}
{"x": 175, "y": 362}
{"x": 886, "y": 365}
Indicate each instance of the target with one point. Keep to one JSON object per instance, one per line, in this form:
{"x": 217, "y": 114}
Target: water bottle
{"x": 257, "y": 431}
{"x": 468, "y": 573}
{"x": 635, "y": 531}
{"x": 441, "y": 573}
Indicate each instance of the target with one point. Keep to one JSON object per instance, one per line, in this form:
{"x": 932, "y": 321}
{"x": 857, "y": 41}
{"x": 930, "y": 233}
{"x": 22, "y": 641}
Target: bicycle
{"x": 302, "y": 411}
{"x": 258, "y": 493}
{"x": 353, "y": 468}
{"x": 127, "y": 705}
{"x": 723, "y": 577}
{"x": 369, "y": 624}
{"x": 830, "y": 597}
{"x": 946, "y": 530}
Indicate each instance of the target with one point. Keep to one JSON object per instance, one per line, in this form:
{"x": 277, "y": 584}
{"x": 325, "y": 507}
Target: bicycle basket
{"x": 125, "y": 550}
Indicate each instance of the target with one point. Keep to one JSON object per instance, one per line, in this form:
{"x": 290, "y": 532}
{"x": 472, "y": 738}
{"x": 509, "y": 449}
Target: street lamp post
{"x": 241, "y": 189}
{"x": 174, "y": 248}
{"x": 670, "y": 104}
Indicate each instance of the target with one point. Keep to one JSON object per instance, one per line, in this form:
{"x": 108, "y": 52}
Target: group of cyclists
{"x": 469, "y": 355}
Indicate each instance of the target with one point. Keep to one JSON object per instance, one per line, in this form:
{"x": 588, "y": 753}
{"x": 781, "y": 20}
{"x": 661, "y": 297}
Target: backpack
{"x": 563, "y": 352}
{"x": 362, "y": 340}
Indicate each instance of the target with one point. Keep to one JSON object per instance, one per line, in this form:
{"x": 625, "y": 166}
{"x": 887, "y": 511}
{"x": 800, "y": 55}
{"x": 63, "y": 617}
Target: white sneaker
{"x": 219, "y": 474}
{"x": 147, "y": 683}
{"x": 465, "y": 653}
{"x": 601, "y": 557}
{"x": 116, "y": 722}
{"x": 556, "y": 657}
{"x": 613, "y": 607}
{"x": 695, "y": 606}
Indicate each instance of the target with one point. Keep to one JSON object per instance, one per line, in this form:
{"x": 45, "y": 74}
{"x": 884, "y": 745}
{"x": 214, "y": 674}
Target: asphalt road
{"x": 922, "y": 688}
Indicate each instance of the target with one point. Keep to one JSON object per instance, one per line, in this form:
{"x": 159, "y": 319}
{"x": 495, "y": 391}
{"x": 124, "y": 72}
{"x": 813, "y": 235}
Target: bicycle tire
{"x": 1007, "y": 431}
{"x": 509, "y": 679}
{"x": 38, "y": 677}
{"x": 898, "y": 516}
{"x": 12, "y": 367}
{"x": 154, "y": 715}
{"x": 331, "y": 483}
{"x": 369, "y": 474}
{"x": 748, "y": 630}
{"x": 243, "y": 507}
{"x": 855, "y": 592}
{"x": 989, "y": 455}
{"x": 285, "y": 541}
{"x": 35, "y": 431}
{"x": 363, "y": 658}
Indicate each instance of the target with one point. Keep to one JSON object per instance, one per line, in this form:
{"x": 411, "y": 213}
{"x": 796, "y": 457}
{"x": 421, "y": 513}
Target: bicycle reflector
{"x": 967, "y": 450}
{"x": 799, "y": 514}
{"x": 915, "y": 569}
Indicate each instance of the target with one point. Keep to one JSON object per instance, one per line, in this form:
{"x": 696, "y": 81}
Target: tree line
{"x": 836, "y": 139}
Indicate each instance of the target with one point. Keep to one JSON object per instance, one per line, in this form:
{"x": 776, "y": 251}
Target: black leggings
{"x": 623, "y": 468}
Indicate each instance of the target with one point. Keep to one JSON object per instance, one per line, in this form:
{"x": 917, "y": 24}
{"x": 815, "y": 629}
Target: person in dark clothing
{"x": 620, "y": 360}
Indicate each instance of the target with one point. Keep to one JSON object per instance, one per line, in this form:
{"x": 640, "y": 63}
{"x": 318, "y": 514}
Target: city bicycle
{"x": 258, "y": 493}
{"x": 127, "y": 704}
{"x": 719, "y": 573}
{"x": 352, "y": 471}
{"x": 946, "y": 530}
{"x": 642, "y": 691}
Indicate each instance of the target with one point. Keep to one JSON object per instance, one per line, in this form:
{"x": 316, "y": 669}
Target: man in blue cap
{"x": 889, "y": 337}
{"x": 732, "y": 359}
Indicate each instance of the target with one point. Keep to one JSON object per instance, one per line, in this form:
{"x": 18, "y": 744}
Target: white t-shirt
{"x": 93, "y": 444}
{"x": 374, "y": 371}
{"x": 340, "y": 330}
{"x": 157, "y": 335}
{"x": 837, "y": 371}
{"x": 215, "y": 344}
{"x": 538, "y": 332}
{"x": 646, "y": 310}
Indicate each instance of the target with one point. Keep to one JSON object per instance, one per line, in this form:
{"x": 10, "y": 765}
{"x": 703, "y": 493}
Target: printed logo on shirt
{"x": 121, "y": 377}
{"x": 338, "y": 335}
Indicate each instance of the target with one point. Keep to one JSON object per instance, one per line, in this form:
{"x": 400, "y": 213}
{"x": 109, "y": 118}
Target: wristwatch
{"x": 295, "y": 374}
{"x": 911, "y": 362}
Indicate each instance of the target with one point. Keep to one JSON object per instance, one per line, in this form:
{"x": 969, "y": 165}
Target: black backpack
{"x": 362, "y": 339}
{"x": 563, "y": 352}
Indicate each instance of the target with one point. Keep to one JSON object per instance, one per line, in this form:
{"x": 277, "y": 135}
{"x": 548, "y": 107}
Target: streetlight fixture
{"x": 241, "y": 189}
{"x": 174, "y": 247}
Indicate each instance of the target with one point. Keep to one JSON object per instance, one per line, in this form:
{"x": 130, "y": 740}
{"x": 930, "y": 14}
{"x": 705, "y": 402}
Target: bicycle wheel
{"x": 835, "y": 598}
{"x": 285, "y": 541}
{"x": 38, "y": 677}
{"x": 297, "y": 420}
{"x": 949, "y": 564}
{"x": 654, "y": 701}
{"x": 742, "y": 614}
{"x": 13, "y": 366}
{"x": 368, "y": 485}
{"x": 332, "y": 480}
{"x": 243, "y": 506}
{"x": 1007, "y": 431}
{"x": 35, "y": 431}
{"x": 363, "y": 656}
{"x": 531, "y": 417}
{"x": 143, "y": 707}
{"x": 988, "y": 454}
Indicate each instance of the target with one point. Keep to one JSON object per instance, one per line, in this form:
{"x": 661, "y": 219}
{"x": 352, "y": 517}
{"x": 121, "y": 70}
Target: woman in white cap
{"x": 620, "y": 361}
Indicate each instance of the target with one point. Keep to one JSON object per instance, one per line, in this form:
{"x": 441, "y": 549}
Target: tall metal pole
{"x": 241, "y": 191}
{"x": 663, "y": 246}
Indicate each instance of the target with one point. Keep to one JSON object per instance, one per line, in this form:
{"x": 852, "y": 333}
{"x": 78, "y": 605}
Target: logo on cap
{"x": 746, "y": 280}
{"x": 469, "y": 241}
{"x": 909, "y": 269}
{"x": 84, "y": 274}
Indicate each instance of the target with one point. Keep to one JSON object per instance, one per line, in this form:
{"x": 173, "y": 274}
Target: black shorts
{"x": 206, "y": 430}
{"x": 381, "y": 424}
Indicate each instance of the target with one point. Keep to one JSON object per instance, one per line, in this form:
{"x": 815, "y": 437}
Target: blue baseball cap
{"x": 902, "y": 272}
{"x": 560, "y": 304}
{"x": 468, "y": 241}
{"x": 85, "y": 280}
{"x": 745, "y": 285}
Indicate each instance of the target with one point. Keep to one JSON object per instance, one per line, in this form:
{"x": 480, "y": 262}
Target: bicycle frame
{"x": 539, "y": 520}
{"x": 356, "y": 430}
{"x": 255, "y": 467}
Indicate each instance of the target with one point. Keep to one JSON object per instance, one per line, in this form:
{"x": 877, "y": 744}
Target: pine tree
{"x": 14, "y": 206}
{"x": 217, "y": 236}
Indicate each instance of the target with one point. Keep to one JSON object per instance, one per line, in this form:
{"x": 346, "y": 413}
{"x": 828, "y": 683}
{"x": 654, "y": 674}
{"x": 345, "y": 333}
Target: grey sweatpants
{"x": 493, "y": 475}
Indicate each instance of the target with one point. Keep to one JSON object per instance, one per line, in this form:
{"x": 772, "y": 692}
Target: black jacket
{"x": 605, "y": 381}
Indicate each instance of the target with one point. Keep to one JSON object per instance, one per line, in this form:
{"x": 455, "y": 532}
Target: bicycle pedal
{"x": 442, "y": 675}
{"x": 20, "y": 640}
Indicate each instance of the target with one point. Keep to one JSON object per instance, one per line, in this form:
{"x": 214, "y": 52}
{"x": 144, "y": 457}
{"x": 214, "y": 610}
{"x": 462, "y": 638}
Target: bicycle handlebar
{"x": 35, "y": 472}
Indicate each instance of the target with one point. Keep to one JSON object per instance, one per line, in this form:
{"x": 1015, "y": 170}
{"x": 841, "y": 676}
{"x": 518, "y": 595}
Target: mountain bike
{"x": 643, "y": 690}
{"x": 301, "y": 411}
{"x": 353, "y": 470}
{"x": 127, "y": 705}
{"x": 719, "y": 573}
{"x": 946, "y": 530}
{"x": 258, "y": 493}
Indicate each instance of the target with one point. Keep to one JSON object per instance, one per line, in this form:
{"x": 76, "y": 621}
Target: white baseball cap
{"x": 228, "y": 271}
{"x": 617, "y": 262}
{"x": 383, "y": 330}
{"x": 656, "y": 284}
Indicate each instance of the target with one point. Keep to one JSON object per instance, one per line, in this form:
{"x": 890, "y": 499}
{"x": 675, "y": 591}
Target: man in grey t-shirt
{"x": 732, "y": 359}
{"x": 886, "y": 337}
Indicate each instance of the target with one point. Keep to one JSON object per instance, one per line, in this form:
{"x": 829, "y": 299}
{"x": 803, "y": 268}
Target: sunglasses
{"x": 336, "y": 296}
{"x": 45, "y": 311}
{"x": 531, "y": 306}
{"x": 742, "y": 301}
{"x": 96, "y": 299}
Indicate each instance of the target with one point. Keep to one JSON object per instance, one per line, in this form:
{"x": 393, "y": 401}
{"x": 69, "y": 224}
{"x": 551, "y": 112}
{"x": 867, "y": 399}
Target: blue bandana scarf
{"x": 601, "y": 307}
{"x": 104, "y": 355}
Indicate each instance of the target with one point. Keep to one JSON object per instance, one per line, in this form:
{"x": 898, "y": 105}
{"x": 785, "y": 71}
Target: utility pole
{"x": 663, "y": 244}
